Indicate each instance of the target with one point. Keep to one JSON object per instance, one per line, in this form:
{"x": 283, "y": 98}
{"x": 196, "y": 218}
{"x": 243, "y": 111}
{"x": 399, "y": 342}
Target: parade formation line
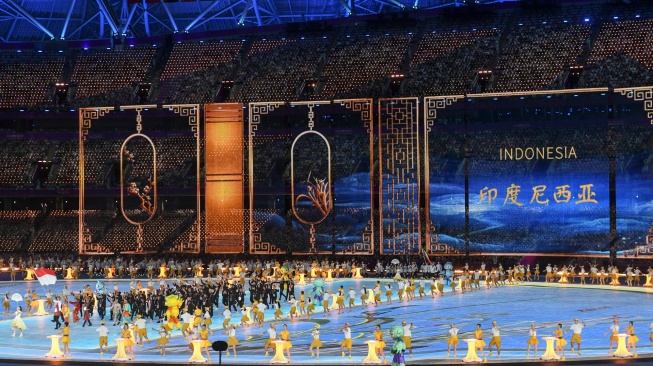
{"x": 514, "y": 308}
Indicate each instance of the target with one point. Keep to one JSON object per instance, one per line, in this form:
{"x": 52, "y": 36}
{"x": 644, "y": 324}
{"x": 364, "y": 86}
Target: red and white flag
{"x": 46, "y": 276}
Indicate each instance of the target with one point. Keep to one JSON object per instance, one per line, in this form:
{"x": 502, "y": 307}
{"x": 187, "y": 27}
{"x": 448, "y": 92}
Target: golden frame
{"x": 86, "y": 118}
{"x": 256, "y": 110}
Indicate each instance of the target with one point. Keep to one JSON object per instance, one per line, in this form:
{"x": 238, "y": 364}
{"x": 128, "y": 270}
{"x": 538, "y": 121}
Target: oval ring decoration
{"x": 147, "y": 194}
{"x": 318, "y": 191}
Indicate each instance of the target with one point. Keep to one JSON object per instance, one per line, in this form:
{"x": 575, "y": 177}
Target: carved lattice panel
{"x": 399, "y": 175}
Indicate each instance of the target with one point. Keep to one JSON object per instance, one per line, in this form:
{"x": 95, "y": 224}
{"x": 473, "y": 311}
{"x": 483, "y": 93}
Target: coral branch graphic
{"x": 318, "y": 194}
{"x": 145, "y": 196}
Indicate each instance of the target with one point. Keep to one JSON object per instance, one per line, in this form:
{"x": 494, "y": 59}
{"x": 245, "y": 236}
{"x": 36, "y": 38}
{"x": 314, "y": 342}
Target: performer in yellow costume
{"x": 576, "y": 330}
{"x": 65, "y": 340}
{"x": 496, "y": 340}
{"x": 198, "y": 317}
{"x": 346, "y": 343}
{"x": 245, "y": 319}
{"x": 315, "y": 343}
{"x": 277, "y": 312}
{"x": 232, "y": 341}
{"x": 340, "y": 300}
{"x": 560, "y": 342}
{"x": 407, "y": 336}
{"x": 532, "y": 341}
{"x": 453, "y": 340}
{"x": 378, "y": 336}
{"x": 293, "y": 307}
{"x": 285, "y": 336}
{"x": 125, "y": 333}
{"x": 104, "y": 338}
{"x": 6, "y": 304}
{"x": 311, "y": 308}
{"x": 163, "y": 340}
{"x": 433, "y": 289}
{"x": 204, "y": 337}
{"x": 28, "y": 303}
{"x": 17, "y": 323}
{"x": 632, "y": 339}
{"x": 207, "y": 319}
{"x": 377, "y": 294}
{"x": 614, "y": 330}
{"x": 325, "y": 303}
{"x": 272, "y": 336}
{"x": 388, "y": 294}
{"x": 302, "y": 304}
{"x": 480, "y": 343}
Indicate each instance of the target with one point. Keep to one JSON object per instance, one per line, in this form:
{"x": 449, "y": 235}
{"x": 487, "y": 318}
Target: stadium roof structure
{"x": 43, "y": 20}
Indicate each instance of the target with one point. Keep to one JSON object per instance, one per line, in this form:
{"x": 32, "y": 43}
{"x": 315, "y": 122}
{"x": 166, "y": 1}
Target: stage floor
{"x": 513, "y": 307}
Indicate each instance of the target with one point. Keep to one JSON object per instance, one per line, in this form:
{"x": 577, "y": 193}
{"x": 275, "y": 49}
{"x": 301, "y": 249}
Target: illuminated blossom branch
{"x": 318, "y": 193}
{"x": 128, "y": 156}
{"x": 144, "y": 196}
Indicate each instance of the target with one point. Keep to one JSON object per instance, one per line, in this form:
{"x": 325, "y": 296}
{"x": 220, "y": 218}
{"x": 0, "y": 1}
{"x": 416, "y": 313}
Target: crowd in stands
{"x": 122, "y": 236}
{"x": 535, "y": 56}
{"x": 194, "y": 71}
{"x": 621, "y": 56}
{"x": 27, "y": 78}
{"x": 276, "y": 68}
{"x": 617, "y": 71}
{"x": 58, "y": 232}
{"x": 15, "y": 228}
{"x": 446, "y": 62}
{"x": 361, "y": 61}
{"x": 18, "y": 158}
{"x": 527, "y": 49}
{"x": 107, "y": 78}
{"x": 270, "y": 152}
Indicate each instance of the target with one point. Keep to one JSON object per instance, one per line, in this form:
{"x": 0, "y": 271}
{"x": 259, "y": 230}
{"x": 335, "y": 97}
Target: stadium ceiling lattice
{"x": 41, "y": 20}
